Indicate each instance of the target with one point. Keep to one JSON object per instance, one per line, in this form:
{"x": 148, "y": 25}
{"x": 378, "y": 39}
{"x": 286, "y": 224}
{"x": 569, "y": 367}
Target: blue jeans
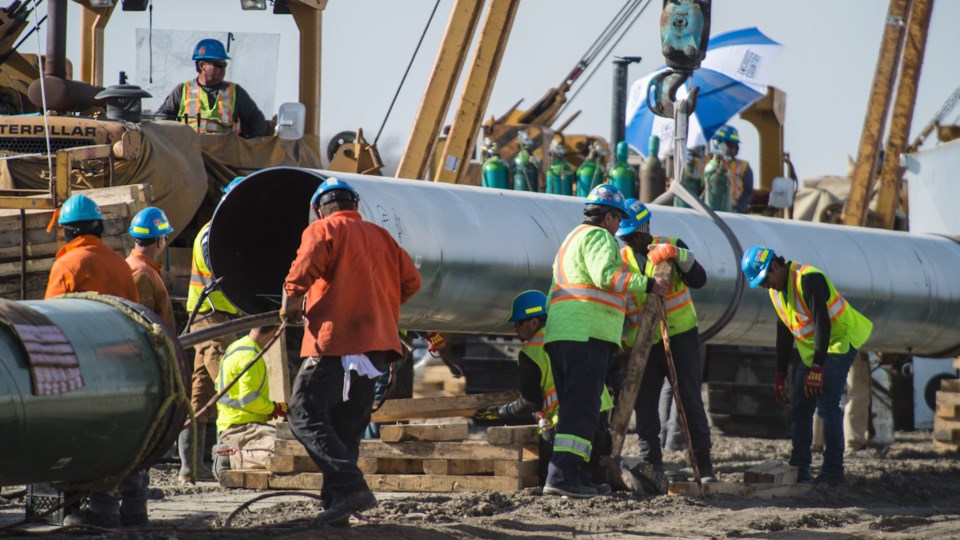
{"x": 827, "y": 406}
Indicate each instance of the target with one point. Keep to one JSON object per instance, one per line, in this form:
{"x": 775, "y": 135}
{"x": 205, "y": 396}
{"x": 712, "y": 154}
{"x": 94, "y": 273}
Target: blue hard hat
{"x": 528, "y": 304}
{"x": 727, "y": 133}
{"x": 79, "y": 208}
{"x": 338, "y": 189}
{"x": 607, "y": 195}
{"x": 150, "y": 222}
{"x": 210, "y": 49}
{"x": 638, "y": 215}
{"x": 755, "y": 263}
{"x": 233, "y": 183}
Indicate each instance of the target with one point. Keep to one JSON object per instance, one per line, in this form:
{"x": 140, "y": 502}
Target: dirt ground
{"x": 903, "y": 491}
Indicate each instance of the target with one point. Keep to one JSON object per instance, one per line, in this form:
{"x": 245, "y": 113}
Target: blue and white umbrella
{"x": 733, "y": 76}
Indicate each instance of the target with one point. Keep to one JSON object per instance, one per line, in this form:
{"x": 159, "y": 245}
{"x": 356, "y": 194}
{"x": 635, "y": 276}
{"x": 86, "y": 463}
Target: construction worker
{"x": 538, "y": 395}
{"x": 642, "y": 254}
{"x": 149, "y": 229}
{"x": 242, "y": 413}
{"x": 827, "y": 331}
{"x": 583, "y": 332}
{"x": 728, "y": 181}
{"x": 84, "y": 263}
{"x": 209, "y": 104}
{"x": 354, "y": 277}
{"x": 211, "y": 309}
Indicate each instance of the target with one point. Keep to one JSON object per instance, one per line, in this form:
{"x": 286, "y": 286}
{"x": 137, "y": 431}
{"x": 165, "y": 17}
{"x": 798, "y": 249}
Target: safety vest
{"x": 681, "y": 315}
{"x": 200, "y": 277}
{"x": 550, "y": 408}
{"x": 736, "y": 168}
{"x": 847, "y": 326}
{"x": 255, "y": 406}
{"x": 204, "y": 117}
{"x": 578, "y": 309}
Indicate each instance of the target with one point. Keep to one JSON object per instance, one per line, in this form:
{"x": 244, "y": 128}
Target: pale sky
{"x": 826, "y": 68}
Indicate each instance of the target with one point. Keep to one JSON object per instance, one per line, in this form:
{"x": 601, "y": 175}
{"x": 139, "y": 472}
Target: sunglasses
{"x": 218, "y": 65}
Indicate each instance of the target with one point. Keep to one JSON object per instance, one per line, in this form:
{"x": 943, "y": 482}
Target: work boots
{"x": 652, "y": 477}
{"x": 705, "y": 465}
{"x": 184, "y": 443}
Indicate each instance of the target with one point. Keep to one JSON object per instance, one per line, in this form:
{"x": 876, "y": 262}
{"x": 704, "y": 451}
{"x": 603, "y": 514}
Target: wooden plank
{"x": 512, "y": 434}
{"x": 284, "y": 432}
{"x": 946, "y": 447}
{"x": 446, "y": 484}
{"x": 945, "y": 424}
{"x": 397, "y": 466}
{"x": 305, "y": 480}
{"x": 439, "y": 407}
{"x": 289, "y": 447}
{"x": 956, "y": 363}
{"x": 950, "y": 385}
{"x": 292, "y": 464}
{"x": 445, "y": 450}
{"x": 245, "y": 479}
{"x": 278, "y": 370}
{"x": 770, "y": 472}
{"x": 457, "y": 466}
{"x": 948, "y": 398}
{"x": 424, "y": 432}
{"x": 949, "y": 412}
{"x": 753, "y": 491}
{"x": 516, "y": 469}
{"x": 455, "y": 387}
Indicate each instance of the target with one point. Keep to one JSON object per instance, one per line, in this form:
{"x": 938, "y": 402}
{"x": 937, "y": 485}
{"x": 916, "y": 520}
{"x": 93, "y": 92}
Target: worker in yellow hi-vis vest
{"x": 642, "y": 254}
{"x": 827, "y": 331}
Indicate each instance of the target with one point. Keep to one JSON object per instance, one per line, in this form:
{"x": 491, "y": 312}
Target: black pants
{"x": 686, "y": 357}
{"x": 329, "y": 427}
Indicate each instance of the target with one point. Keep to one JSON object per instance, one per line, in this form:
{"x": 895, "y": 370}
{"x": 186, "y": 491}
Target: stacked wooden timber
{"x": 946, "y": 423}
{"x": 435, "y": 381}
{"x": 118, "y": 204}
{"x": 768, "y": 480}
{"x": 415, "y": 457}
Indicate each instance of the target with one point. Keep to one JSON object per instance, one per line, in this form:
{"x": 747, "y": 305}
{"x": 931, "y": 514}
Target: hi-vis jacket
{"x": 590, "y": 286}
{"x": 681, "y": 315}
{"x": 248, "y": 400}
{"x": 205, "y": 117}
{"x": 847, "y": 326}
{"x": 201, "y": 276}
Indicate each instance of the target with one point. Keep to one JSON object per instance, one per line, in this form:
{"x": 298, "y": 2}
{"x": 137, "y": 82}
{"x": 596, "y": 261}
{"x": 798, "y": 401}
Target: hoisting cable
{"x": 608, "y": 31}
{"x": 605, "y": 56}
{"x": 43, "y": 99}
{"x": 405, "y": 73}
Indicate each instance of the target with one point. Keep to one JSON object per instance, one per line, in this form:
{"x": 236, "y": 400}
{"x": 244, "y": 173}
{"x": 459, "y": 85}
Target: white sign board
{"x": 934, "y": 188}
{"x": 164, "y": 61}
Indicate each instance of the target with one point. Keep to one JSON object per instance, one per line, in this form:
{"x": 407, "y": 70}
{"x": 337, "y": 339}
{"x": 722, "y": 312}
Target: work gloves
{"x": 435, "y": 343}
{"x": 813, "y": 381}
{"x": 490, "y": 413}
{"x": 780, "y": 388}
{"x": 279, "y": 410}
{"x": 291, "y": 310}
{"x": 658, "y": 253}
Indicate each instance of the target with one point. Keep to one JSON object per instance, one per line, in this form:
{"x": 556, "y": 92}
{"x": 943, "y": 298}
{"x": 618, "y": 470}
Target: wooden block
{"x": 296, "y": 481}
{"x": 398, "y": 466}
{"x": 444, "y": 484}
{"x": 439, "y": 407}
{"x": 278, "y": 370}
{"x": 292, "y": 464}
{"x": 289, "y": 447}
{"x": 770, "y": 472}
{"x": 950, "y": 412}
{"x": 284, "y": 432}
{"x": 245, "y": 479}
{"x": 512, "y": 434}
{"x": 956, "y": 363}
{"x": 948, "y": 398}
{"x": 950, "y": 385}
{"x": 457, "y": 466}
{"x": 445, "y": 450}
{"x": 946, "y": 447}
{"x": 435, "y": 374}
{"x": 946, "y": 430}
{"x": 516, "y": 469}
{"x": 754, "y": 491}
{"x": 424, "y": 432}
{"x": 455, "y": 387}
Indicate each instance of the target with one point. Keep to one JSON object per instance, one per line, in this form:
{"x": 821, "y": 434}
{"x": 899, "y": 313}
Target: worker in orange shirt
{"x": 149, "y": 230}
{"x": 354, "y": 277}
{"x": 84, "y": 263}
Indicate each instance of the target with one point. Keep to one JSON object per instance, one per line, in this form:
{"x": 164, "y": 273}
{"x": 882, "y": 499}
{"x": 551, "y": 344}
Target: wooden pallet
{"x": 946, "y": 423}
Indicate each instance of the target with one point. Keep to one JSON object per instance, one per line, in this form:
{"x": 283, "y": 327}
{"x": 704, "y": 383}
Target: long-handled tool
{"x": 672, "y": 375}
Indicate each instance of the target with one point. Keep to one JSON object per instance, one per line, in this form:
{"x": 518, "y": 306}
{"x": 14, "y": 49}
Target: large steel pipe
{"x": 476, "y": 248}
{"x": 99, "y": 430}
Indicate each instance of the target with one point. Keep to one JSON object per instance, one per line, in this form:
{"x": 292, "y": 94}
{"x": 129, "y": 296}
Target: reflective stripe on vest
{"x": 218, "y": 118}
{"x": 565, "y": 442}
{"x": 736, "y": 169}
{"x": 244, "y": 400}
{"x": 201, "y": 277}
{"x": 565, "y": 290}
{"x": 802, "y": 326}
{"x": 533, "y": 348}
{"x": 634, "y": 310}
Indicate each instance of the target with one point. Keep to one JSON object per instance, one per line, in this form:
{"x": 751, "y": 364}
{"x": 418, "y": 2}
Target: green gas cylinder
{"x": 560, "y": 177}
{"x": 526, "y": 171}
{"x": 622, "y": 174}
{"x": 717, "y": 186}
{"x": 496, "y": 172}
{"x": 589, "y": 175}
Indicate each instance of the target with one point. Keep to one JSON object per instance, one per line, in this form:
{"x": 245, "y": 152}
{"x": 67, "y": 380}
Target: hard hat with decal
{"x": 755, "y": 263}
{"x": 79, "y": 208}
{"x": 528, "y": 304}
{"x": 333, "y": 189}
{"x": 607, "y": 195}
{"x": 210, "y": 49}
{"x": 638, "y": 218}
{"x": 727, "y": 133}
{"x": 150, "y": 222}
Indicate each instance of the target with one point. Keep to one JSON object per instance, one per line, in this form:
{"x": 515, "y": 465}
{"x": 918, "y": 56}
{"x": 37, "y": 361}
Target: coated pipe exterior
{"x": 477, "y": 247}
{"x": 94, "y": 432}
